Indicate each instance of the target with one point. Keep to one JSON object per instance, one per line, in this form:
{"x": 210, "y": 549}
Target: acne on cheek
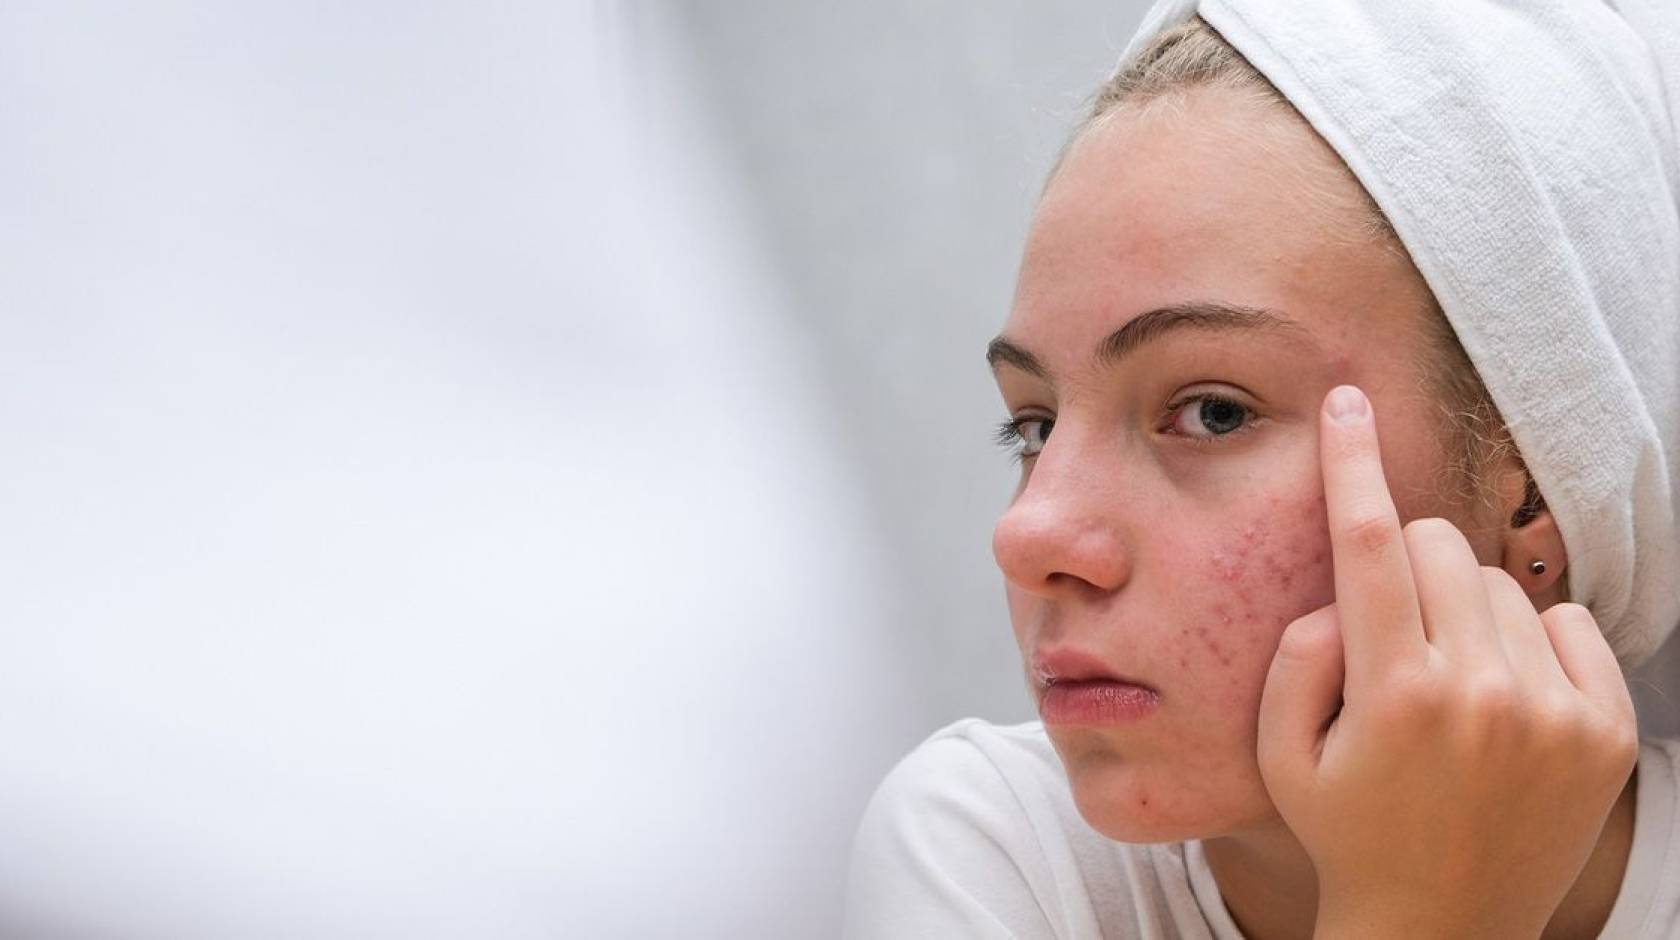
{"x": 1269, "y": 569}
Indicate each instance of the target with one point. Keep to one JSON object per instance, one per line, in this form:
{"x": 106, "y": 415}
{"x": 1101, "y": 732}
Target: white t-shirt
{"x": 975, "y": 834}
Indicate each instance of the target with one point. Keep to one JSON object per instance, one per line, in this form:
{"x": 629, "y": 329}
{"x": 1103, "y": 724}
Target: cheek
{"x": 1231, "y": 584}
{"x": 1262, "y": 572}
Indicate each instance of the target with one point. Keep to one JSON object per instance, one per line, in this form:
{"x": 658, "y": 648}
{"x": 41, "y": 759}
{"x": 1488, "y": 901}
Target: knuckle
{"x": 1582, "y": 742}
{"x": 1613, "y": 741}
{"x": 1306, "y": 638}
{"x": 1295, "y": 646}
{"x": 1558, "y": 714}
{"x": 1619, "y": 726}
{"x": 1621, "y": 737}
{"x": 1625, "y": 745}
{"x": 1310, "y": 639}
{"x": 1370, "y": 532}
{"x": 1492, "y": 701}
{"x": 1414, "y": 700}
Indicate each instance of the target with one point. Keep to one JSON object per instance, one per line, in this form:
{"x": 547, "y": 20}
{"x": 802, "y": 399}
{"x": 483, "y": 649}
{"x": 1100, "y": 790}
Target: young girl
{"x": 1342, "y": 372}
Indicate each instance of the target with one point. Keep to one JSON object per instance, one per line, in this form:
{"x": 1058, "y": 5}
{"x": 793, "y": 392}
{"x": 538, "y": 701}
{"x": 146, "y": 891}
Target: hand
{"x": 1479, "y": 746}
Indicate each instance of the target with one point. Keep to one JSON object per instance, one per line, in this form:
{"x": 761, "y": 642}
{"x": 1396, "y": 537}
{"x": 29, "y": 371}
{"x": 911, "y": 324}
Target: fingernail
{"x": 1347, "y": 404}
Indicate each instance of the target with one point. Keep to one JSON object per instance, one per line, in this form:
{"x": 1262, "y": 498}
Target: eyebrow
{"x": 1209, "y": 316}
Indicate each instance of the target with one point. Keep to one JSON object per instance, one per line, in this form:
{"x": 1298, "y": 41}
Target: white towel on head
{"x": 1525, "y": 152}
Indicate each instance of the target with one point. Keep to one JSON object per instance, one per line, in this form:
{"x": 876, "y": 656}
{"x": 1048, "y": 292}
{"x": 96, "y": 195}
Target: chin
{"x": 1128, "y": 804}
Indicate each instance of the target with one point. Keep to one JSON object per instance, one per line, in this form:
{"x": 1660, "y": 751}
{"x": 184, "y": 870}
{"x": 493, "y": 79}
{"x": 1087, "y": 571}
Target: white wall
{"x": 418, "y": 520}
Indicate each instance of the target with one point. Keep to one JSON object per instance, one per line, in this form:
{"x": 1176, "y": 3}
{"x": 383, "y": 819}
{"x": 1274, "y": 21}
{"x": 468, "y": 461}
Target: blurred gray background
{"x": 891, "y": 156}
{"x": 515, "y": 470}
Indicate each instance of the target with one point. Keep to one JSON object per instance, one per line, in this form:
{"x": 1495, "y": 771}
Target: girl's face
{"x": 1172, "y": 523}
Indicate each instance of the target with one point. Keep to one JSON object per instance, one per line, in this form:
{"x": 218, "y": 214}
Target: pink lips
{"x": 1076, "y": 688}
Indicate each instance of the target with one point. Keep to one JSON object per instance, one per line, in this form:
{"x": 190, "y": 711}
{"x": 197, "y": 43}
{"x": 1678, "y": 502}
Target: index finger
{"x": 1382, "y": 623}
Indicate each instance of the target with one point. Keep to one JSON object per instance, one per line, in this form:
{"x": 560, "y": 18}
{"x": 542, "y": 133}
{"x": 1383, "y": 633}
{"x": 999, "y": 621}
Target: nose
{"x": 1063, "y": 535}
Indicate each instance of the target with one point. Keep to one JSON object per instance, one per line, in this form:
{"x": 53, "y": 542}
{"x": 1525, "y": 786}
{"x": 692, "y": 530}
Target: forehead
{"x": 1208, "y": 199}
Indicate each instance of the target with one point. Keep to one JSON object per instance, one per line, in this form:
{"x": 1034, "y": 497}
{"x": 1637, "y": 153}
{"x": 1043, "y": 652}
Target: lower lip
{"x": 1096, "y": 702}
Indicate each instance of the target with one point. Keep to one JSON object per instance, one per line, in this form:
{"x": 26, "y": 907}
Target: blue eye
{"x": 1025, "y": 436}
{"x": 1219, "y": 416}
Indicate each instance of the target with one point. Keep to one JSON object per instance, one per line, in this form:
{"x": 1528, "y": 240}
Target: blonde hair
{"x": 1192, "y": 55}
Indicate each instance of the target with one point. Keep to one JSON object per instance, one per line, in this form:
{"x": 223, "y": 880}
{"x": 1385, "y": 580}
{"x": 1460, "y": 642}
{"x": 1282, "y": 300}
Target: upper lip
{"x": 1067, "y": 664}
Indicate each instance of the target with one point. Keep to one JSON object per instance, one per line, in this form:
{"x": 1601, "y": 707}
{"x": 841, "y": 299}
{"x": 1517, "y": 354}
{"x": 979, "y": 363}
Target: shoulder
{"x": 970, "y": 781}
{"x": 949, "y": 843}
{"x": 975, "y": 834}
{"x": 973, "y": 782}
{"x": 1648, "y": 904}
{"x": 972, "y": 758}
{"x": 1657, "y": 804}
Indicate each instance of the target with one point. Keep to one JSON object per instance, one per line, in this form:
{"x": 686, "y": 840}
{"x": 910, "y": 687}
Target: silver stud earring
{"x": 1536, "y": 567}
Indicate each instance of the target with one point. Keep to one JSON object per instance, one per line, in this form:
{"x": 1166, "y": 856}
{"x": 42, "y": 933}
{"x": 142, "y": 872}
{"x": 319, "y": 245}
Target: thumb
{"x": 1303, "y": 692}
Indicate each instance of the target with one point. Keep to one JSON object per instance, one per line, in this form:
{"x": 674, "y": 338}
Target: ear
{"x": 1533, "y": 536}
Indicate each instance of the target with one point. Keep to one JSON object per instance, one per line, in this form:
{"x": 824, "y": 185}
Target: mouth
{"x": 1076, "y": 688}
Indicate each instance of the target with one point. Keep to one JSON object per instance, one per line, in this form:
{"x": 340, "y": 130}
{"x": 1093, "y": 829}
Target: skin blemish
{"x": 1265, "y": 576}
{"x": 1227, "y": 566}
{"x": 1210, "y": 640}
{"x": 1340, "y": 368}
{"x": 1281, "y": 568}
{"x": 1231, "y": 563}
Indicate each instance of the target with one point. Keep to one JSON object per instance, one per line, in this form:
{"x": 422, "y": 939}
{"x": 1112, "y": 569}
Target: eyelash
{"x": 1008, "y": 433}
